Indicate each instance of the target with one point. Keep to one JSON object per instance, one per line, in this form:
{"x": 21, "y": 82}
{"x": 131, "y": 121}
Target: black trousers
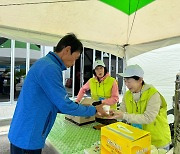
{"x": 16, "y": 150}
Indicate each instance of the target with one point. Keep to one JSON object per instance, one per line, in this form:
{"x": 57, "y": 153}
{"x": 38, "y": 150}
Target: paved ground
{"x": 4, "y": 144}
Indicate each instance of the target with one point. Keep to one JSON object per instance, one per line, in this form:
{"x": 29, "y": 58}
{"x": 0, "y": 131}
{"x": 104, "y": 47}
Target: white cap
{"x": 132, "y": 70}
{"x": 98, "y": 63}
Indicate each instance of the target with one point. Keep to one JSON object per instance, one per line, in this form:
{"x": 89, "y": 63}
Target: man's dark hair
{"x": 69, "y": 40}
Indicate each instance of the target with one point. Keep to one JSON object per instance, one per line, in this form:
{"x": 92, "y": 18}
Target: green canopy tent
{"x": 123, "y": 28}
{"x": 20, "y": 52}
{"x": 18, "y": 44}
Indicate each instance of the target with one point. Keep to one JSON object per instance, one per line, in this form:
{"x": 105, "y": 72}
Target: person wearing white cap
{"x": 144, "y": 107}
{"x": 103, "y": 89}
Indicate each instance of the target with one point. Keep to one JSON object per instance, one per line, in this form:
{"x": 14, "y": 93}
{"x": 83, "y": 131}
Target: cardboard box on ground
{"x": 121, "y": 138}
{"x": 82, "y": 120}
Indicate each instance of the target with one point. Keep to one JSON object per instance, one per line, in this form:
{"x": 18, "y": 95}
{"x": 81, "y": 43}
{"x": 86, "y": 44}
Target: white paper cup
{"x": 106, "y": 108}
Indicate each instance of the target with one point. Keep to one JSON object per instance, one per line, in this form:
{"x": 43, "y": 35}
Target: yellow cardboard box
{"x": 121, "y": 138}
{"x": 82, "y": 120}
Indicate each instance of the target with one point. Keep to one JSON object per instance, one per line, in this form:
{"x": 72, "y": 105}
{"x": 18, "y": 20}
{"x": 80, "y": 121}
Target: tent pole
{"x": 82, "y": 69}
{"x": 124, "y": 66}
{"x": 12, "y": 71}
{"x": 177, "y": 115}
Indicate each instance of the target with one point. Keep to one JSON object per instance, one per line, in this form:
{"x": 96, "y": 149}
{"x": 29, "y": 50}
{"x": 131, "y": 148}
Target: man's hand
{"x": 115, "y": 114}
{"x": 100, "y": 111}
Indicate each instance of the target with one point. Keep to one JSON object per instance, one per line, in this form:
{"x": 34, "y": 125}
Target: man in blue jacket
{"x": 43, "y": 95}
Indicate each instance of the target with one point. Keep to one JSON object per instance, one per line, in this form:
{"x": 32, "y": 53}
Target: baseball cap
{"x": 98, "y": 63}
{"x": 132, "y": 70}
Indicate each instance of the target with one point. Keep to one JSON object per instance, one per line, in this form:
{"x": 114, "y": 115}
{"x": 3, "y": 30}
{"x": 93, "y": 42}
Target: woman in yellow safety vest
{"x": 144, "y": 107}
{"x": 103, "y": 89}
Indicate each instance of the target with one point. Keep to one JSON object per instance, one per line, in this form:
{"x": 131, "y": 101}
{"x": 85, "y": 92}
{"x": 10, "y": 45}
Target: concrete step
{"x": 5, "y": 122}
{"x": 4, "y": 130}
{"x": 4, "y": 126}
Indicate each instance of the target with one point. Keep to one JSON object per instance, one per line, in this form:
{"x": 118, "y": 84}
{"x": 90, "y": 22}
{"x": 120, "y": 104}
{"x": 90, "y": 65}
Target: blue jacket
{"x": 42, "y": 97}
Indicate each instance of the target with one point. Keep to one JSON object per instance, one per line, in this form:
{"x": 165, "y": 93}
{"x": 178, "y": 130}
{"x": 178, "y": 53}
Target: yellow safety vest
{"x": 102, "y": 89}
{"x": 159, "y": 128}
